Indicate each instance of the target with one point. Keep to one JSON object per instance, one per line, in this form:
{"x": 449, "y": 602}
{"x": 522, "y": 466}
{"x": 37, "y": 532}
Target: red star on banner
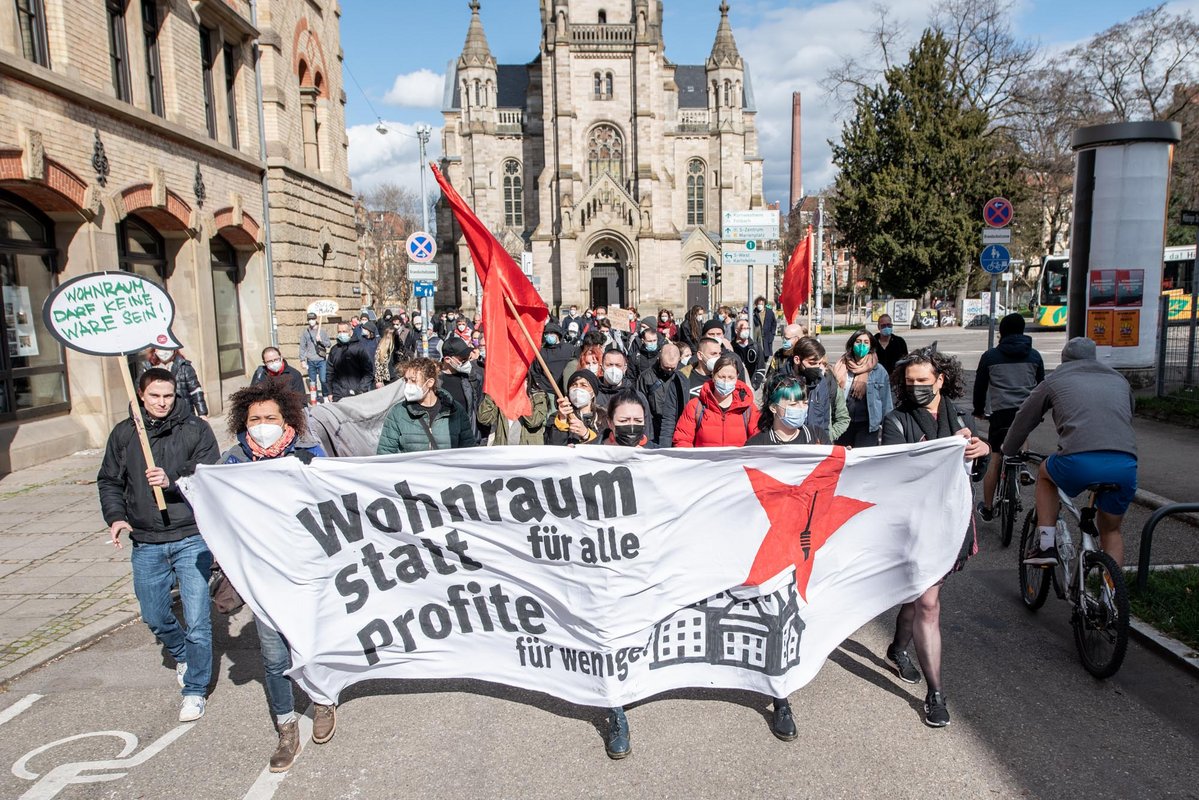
{"x": 802, "y": 518}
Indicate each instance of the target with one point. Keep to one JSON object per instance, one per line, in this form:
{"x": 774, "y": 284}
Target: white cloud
{"x": 392, "y": 157}
{"x": 791, "y": 50}
{"x": 420, "y": 89}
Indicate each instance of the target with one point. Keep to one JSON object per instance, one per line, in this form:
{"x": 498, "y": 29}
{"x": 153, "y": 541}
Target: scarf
{"x": 859, "y": 369}
{"x": 258, "y": 452}
{"x": 938, "y": 427}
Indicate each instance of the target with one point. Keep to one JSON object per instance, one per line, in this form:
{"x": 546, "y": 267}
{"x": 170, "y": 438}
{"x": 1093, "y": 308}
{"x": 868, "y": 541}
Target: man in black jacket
{"x": 667, "y": 392}
{"x": 463, "y": 380}
{"x": 167, "y": 546}
{"x": 351, "y": 369}
{"x": 557, "y": 354}
{"x": 275, "y": 367}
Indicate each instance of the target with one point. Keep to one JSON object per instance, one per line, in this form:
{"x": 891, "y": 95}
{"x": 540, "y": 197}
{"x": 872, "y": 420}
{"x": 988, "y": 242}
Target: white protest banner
{"x": 600, "y": 575}
{"x": 111, "y": 314}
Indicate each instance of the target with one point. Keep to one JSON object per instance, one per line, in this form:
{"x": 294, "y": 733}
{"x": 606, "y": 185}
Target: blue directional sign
{"x": 421, "y": 247}
{"x": 423, "y": 289}
{"x": 995, "y": 259}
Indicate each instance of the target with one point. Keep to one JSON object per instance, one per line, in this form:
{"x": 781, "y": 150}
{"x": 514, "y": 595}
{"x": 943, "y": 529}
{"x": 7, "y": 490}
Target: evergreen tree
{"x": 917, "y": 163}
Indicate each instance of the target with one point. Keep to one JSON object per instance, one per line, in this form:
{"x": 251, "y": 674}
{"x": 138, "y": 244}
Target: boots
{"x": 289, "y": 747}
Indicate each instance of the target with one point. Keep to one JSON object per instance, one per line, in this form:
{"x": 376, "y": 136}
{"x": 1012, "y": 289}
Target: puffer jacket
{"x": 188, "y": 390}
{"x": 178, "y": 443}
{"x": 705, "y": 424}
{"x": 407, "y": 428}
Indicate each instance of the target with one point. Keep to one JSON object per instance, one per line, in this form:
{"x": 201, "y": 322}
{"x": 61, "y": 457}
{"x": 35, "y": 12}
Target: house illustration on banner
{"x": 760, "y": 634}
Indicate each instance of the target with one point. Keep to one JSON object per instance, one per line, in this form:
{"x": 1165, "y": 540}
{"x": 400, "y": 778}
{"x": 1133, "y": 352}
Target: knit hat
{"x": 591, "y": 378}
{"x": 1080, "y": 348}
{"x": 713, "y": 325}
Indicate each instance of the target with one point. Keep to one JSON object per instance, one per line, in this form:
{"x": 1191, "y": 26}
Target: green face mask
{"x": 860, "y": 350}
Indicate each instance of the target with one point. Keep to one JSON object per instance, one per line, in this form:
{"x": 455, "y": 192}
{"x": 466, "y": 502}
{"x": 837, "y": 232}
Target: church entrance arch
{"x": 608, "y": 269}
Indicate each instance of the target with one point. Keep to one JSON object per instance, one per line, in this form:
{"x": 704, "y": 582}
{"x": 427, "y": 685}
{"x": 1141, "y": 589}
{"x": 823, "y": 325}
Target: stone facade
{"x": 609, "y": 163}
{"x": 148, "y": 156}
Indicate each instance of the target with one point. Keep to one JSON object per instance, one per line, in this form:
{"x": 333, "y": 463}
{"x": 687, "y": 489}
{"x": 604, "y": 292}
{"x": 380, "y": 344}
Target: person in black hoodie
{"x": 1007, "y": 374}
{"x": 463, "y": 382}
{"x": 167, "y": 546}
{"x": 351, "y": 369}
{"x": 667, "y": 393}
{"x": 556, "y": 353}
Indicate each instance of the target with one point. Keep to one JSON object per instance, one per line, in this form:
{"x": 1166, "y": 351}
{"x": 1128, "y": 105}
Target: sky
{"x": 397, "y": 51}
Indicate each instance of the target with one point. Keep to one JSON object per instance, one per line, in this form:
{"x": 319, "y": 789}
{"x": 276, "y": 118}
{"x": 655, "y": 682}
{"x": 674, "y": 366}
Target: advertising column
{"x": 1121, "y": 190}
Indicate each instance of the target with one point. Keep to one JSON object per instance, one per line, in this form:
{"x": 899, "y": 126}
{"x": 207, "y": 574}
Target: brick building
{"x": 130, "y": 139}
{"x": 607, "y": 161}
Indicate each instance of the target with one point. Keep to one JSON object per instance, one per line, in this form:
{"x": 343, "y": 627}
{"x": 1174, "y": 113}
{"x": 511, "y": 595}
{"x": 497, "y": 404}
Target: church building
{"x": 606, "y": 162}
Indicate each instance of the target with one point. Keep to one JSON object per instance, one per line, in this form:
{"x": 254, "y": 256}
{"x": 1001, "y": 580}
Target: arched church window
{"x": 608, "y": 84}
{"x": 605, "y": 153}
{"x": 514, "y": 208}
{"x": 695, "y": 192}
{"x": 603, "y": 17}
{"x": 599, "y": 85}
{"x": 728, "y": 94}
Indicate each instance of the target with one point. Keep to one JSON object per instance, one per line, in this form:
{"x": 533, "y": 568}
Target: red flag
{"x": 797, "y": 280}
{"x": 509, "y": 350}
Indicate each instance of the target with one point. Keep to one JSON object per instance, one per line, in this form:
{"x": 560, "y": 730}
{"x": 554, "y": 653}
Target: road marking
{"x": 18, "y": 707}
{"x": 268, "y": 782}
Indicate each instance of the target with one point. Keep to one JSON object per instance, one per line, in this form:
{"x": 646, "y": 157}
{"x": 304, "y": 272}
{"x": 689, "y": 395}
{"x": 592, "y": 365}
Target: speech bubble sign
{"x": 111, "y": 314}
{"x": 323, "y": 308}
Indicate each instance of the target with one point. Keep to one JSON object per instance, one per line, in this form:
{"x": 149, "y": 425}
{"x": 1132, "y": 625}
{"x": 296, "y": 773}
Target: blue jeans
{"x": 318, "y": 368}
{"x": 156, "y": 567}
{"x": 276, "y": 660}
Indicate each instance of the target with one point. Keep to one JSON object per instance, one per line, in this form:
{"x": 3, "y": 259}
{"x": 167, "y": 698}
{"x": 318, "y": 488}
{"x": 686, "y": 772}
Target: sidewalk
{"x": 62, "y": 583}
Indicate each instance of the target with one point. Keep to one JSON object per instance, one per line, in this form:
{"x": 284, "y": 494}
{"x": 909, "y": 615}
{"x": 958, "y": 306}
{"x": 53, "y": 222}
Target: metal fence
{"x": 1177, "y": 370}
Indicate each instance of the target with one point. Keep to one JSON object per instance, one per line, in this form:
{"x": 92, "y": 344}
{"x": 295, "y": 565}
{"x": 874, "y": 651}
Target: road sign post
{"x": 995, "y": 258}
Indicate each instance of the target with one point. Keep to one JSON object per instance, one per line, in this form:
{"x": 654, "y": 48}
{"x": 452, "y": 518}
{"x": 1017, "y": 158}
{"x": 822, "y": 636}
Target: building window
{"x": 32, "y": 370}
{"x": 728, "y": 94}
{"x": 695, "y": 192}
{"x": 608, "y": 85}
{"x": 153, "y": 63}
{"x": 118, "y": 49}
{"x": 514, "y": 209}
{"x": 231, "y": 92}
{"x": 599, "y": 86}
{"x": 206, "y": 59}
{"x": 309, "y": 127}
{"x": 226, "y": 275}
{"x": 603, "y": 17}
{"x": 141, "y": 250}
{"x": 605, "y": 153}
{"x": 31, "y": 22}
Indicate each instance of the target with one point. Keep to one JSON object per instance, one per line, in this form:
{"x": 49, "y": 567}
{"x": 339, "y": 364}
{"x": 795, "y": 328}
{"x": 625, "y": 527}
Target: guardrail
{"x": 1147, "y": 537}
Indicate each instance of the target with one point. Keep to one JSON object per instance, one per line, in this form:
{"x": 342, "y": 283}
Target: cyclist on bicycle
{"x": 1007, "y": 374}
{"x": 1092, "y": 411}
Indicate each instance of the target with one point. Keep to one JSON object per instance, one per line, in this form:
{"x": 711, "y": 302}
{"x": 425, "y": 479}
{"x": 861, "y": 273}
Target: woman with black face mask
{"x": 925, "y": 384}
{"x": 826, "y": 402}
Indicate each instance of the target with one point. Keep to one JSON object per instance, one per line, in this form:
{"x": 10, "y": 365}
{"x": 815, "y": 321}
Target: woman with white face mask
{"x": 269, "y": 421}
{"x": 187, "y": 383}
{"x": 428, "y": 418}
{"x": 579, "y": 420}
{"x": 785, "y": 417}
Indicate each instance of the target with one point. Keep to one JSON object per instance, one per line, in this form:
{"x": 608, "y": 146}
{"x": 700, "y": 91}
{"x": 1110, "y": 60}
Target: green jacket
{"x": 532, "y": 427}
{"x": 407, "y": 430}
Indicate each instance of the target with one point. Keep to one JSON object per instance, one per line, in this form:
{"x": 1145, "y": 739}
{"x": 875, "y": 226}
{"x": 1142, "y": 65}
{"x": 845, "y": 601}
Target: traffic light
{"x": 716, "y": 273}
{"x": 703, "y": 279}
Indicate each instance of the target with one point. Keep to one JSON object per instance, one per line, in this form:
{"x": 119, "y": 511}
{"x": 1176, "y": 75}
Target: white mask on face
{"x": 274, "y": 366}
{"x": 311, "y": 323}
{"x": 413, "y": 392}
{"x": 613, "y": 375}
{"x": 164, "y": 355}
{"x": 465, "y": 367}
{"x": 710, "y": 363}
{"x": 579, "y": 397}
{"x": 743, "y": 334}
{"x": 265, "y": 435}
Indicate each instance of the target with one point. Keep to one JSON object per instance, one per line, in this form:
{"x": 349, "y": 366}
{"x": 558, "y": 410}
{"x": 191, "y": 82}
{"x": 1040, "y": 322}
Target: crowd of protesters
{"x": 659, "y": 382}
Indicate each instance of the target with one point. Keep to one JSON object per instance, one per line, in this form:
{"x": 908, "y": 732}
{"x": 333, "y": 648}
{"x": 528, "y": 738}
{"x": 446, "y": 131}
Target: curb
{"x": 1172, "y": 649}
{"x": 1153, "y": 501}
{"x": 78, "y": 640}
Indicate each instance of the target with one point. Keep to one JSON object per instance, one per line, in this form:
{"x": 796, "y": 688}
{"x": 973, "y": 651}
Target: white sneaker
{"x": 180, "y": 671}
{"x": 192, "y": 708}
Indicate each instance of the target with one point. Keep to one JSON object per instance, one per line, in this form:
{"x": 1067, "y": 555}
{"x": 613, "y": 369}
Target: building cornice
{"x": 76, "y": 92}
{"x": 275, "y": 162}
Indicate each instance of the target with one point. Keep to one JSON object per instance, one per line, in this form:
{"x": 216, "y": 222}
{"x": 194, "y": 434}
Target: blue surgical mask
{"x": 343, "y": 337}
{"x": 795, "y": 416}
{"x": 725, "y": 388}
{"x": 551, "y": 339}
{"x": 651, "y": 347}
{"x": 887, "y": 331}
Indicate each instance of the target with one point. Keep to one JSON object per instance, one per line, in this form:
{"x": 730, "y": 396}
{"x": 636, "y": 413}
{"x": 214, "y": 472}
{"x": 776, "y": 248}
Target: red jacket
{"x": 717, "y": 427}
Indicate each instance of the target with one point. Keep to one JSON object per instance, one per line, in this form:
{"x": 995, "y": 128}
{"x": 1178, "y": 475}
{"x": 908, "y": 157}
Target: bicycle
{"x": 1089, "y": 578}
{"x": 1008, "y": 502}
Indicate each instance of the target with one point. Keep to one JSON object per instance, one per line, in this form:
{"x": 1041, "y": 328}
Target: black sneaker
{"x": 783, "y": 723}
{"x": 1042, "y": 558}
{"x": 903, "y": 665}
{"x": 987, "y": 514}
{"x": 936, "y": 715}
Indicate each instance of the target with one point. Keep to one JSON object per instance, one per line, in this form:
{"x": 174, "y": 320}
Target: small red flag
{"x": 509, "y": 350}
{"x": 797, "y": 280}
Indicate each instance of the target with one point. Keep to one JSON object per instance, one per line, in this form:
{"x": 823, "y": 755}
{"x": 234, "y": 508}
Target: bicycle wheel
{"x": 1009, "y": 506}
{"x": 1100, "y": 618}
{"x": 1034, "y": 580}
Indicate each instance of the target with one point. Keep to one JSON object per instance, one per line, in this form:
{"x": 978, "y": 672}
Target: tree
{"x": 388, "y": 214}
{"x": 916, "y": 166}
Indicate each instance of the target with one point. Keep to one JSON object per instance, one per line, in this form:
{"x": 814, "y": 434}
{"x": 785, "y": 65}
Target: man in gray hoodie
{"x": 1092, "y": 411}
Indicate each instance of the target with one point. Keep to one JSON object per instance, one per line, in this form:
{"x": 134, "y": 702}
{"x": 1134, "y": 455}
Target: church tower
{"x": 477, "y": 76}
{"x": 726, "y": 76}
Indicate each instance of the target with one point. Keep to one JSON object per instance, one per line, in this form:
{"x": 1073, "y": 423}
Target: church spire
{"x": 476, "y": 53}
{"x": 724, "y": 49}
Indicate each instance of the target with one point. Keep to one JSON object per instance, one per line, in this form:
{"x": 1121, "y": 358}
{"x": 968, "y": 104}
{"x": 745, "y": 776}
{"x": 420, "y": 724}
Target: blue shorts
{"x": 1074, "y": 473}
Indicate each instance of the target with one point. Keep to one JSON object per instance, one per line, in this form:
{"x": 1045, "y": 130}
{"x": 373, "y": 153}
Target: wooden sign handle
{"x": 139, "y": 423}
